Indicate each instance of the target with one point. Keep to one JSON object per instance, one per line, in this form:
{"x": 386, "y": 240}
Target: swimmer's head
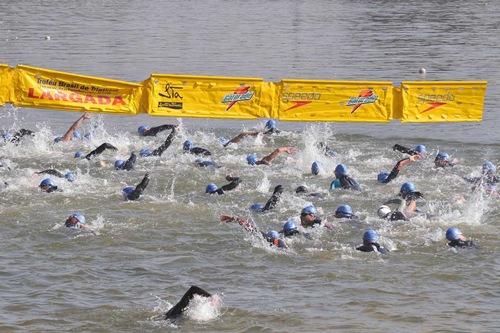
{"x": 57, "y": 139}
{"x": 340, "y": 170}
{"x": 211, "y": 188}
{"x": 77, "y": 135}
{"x": 421, "y": 149}
{"x": 252, "y": 159}
{"x": 289, "y": 228}
{"x": 142, "y": 129}
{"x": 187, "y": 145}
{"x": 78, "y": 154}
{"x": 442, "y": 156}
{"x": 315, "y": 168}
{"x": 48, "y": 185}
{"x": 384, "y": 211}
{"x": 87, "y": 136}
{"x": 75, "y": 218}
{"x": 256, "y": 207}
{"x": 301, "y": 189}
{"x": 344, "y": 211}
{"x": 370, "y": 236}
{"x": 453, "y": 233}
{"x": 272, "y": 235}
{"x": 382, "y": 176}
{"x": 407, "y": 188}
{"x": 309, "y": 210}
{"x": 7, "y": 136}
{"x": 271, "y": 124}
{"x": 145, "y": 152}
{"x": 70, "y": 176}
{"x": 119, "y": 164}
{"x": 489, "y": 167}
{"x": 127, "y": 191}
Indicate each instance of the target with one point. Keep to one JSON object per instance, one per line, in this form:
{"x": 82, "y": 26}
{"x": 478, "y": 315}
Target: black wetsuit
{"x": 129, "y": 164}
{"x": 153, "y": 131}
{"x": 371, "y": 247}
{"x": 462, "y": 244}
{"x": 168, "y": 141}
{"x": 404, "y": 150}
{"x": 394, "y": 173}
{"x": 181, "y": 306}
{"x": 99, "y": 150}
{"x": 139, "y": 188}
{"x": 19, "y": 134}
{"x": 302, "y": 189}
{"x": 274, "y": 199}
{"x": 52, "y": 172}
{"x": 200, "y": 151}
{"x": 347, "y": 183}
{"x": 234, "y": 182}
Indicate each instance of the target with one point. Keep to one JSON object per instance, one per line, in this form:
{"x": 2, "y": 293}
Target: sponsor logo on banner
{"x": 300, "y": 98}
{"x": 366, "y": 96}
{"x": 174, "y": 94}
{"x": 75, "y": 97}
{"x": 241, "y": 93}
{"x": 433, "y": 101}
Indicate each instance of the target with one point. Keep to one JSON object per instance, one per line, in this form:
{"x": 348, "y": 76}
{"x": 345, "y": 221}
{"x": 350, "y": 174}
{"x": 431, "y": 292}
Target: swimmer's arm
{"x": 404, "y": 149}
{"x": 168, "y": 141}
{"x": 19, "y": 134}
{"x": 52, "y": 172}
{"x": 99, "y": 150}
{"x": 240, "y": 137}
{"x": 271, "y": 203}
{"x": 200, "y": 151}
{"x": 69, "y": 134}
{"x": 153, "y": 131}
{"x": 178, "y": 308}
{"x": 269, "y": 158}
{"x": 129, "y": 165}
{"x": 140, "y": 188}
{"x": 249, "y": 226}
{"x": 234, "y": 182}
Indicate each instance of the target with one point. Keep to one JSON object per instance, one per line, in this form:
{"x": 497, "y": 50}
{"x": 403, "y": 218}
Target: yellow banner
{"x": 48, "y": 89}
{"x": 209, "y": 96}
{"x": 5, "y": 83}
{"x": 443, "y": 101}
{"x": 335, "y": 101}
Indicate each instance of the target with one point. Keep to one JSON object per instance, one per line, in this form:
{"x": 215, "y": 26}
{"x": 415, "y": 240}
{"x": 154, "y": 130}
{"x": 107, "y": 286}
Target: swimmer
{"x": 418, "y": 150}
{"x": 153, "y": 131}
{"x": 75, "y": 221}
{"x": 274, "y": 239}
{"x": 271, "y": 203}
{"x": 205, "y": 163}
{"x": 96, "y": 152}
{"x": 407, "y": 204}
{"x": 370, "y": 239}
{"x": 14, "y": 138}
{"x": 189, "y": 147}
{"x": 457, "y": 239}
{"x": 131, "y": 193}
{"x": 309, "y": 218}
{"x": 384, "y": 177}
{"x": 316, "y": 168}
{"x": 126, "y": 165}
{"x": 271, "y": 236}
{"x": 443, "y": 160}
{"x": 343, "y": 180}
{"x": 72, "y": 131}
{"x": 178, "y": 309}
{"x": 344, "y": 212}
{"x": 212, "y": 188}
{"x": 488, "y": 175}
{"x": 146, "y": 152}
{"x": 303, "y": 190}
{"x": 69, "y": 176}
{"x": 270, "y": 128}
{"x": 252, "y": 158}
{"x": 48, "y": 185}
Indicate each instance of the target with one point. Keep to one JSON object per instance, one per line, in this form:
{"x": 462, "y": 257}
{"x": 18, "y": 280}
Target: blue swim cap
{"x": 315, "y": 168}
{"x": 289, "y": 227}
{"x": 145, "y": 152}
{"x": 187, "y": 145}
{"x": 87, "y": 136}
{"x": 309, "y": 210}
{"x": 340, "y": 170}
{"x": 47, "y": 182}
{"x": 222, "y": 140}
{"x": 489, "y": 167}
{"x": 127, "y": 191}
{"x": 453, "y": 233}
{"x": 343, "y": 211}
{"x": 119, "y": 164}
{"x": 70, "y": 176}
{"x": 142, "y": 129}
{"x": 57, "y": 139}
{"x": 442, "y": 156}
{"x": 407, "y": 188}
{"x": 79, "y": 217}
{"x": 78, "y": 154}
{"x": 420, "y": 149}
{"x": 77, "y": 135}
{"x": 271, "y": 124}
{"x": 211, "y": 188}
{"x": 256, "y": 207}
{"x": 272, "y": 235}
{"x": 252, "y": 159}
{"x": 335, "y": 184}
{"x": 382, "y": 176}
{"x": 370, "y": 235}
{"x": 7, "y": 136}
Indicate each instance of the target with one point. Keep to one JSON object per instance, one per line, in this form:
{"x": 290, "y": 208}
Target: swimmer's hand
{"x": 86, "y": 116}
{"x": 414, "y": 158}
{"x": 288, "y": 150}
{"x": 226, "y": 218}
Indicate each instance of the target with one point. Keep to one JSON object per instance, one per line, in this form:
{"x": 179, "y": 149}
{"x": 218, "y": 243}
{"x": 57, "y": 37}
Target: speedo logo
{"x": 366, "y": 96}
{"x": 433, "y": 101}
{"x": 241, "y": 93}
{"x": 300, "y": 98}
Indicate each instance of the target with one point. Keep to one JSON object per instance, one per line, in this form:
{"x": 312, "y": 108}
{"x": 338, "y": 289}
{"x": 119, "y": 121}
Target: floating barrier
{"x": 169, "y": 95}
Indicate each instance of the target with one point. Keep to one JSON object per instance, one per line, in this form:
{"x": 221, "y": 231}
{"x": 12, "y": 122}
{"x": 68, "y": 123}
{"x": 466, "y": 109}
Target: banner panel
{"x": 5, "y": 83}
{"x": 443, "y": 101}
{"x": 350, "y": 101}
{"x": 209, "y": 97}
{"x": 48, "y": 89}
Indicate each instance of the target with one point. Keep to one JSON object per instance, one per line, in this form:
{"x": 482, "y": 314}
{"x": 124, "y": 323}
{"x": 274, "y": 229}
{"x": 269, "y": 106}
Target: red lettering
{"x": 46, "y": 95}
{"x": 90, "y": 99}
{"x": 118, "y": 100}
{"x": 31, "y": 93}
{"x": 74, "y": 97}
{"x": 104, "y": 99}
{"x": 60, "y": 96}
